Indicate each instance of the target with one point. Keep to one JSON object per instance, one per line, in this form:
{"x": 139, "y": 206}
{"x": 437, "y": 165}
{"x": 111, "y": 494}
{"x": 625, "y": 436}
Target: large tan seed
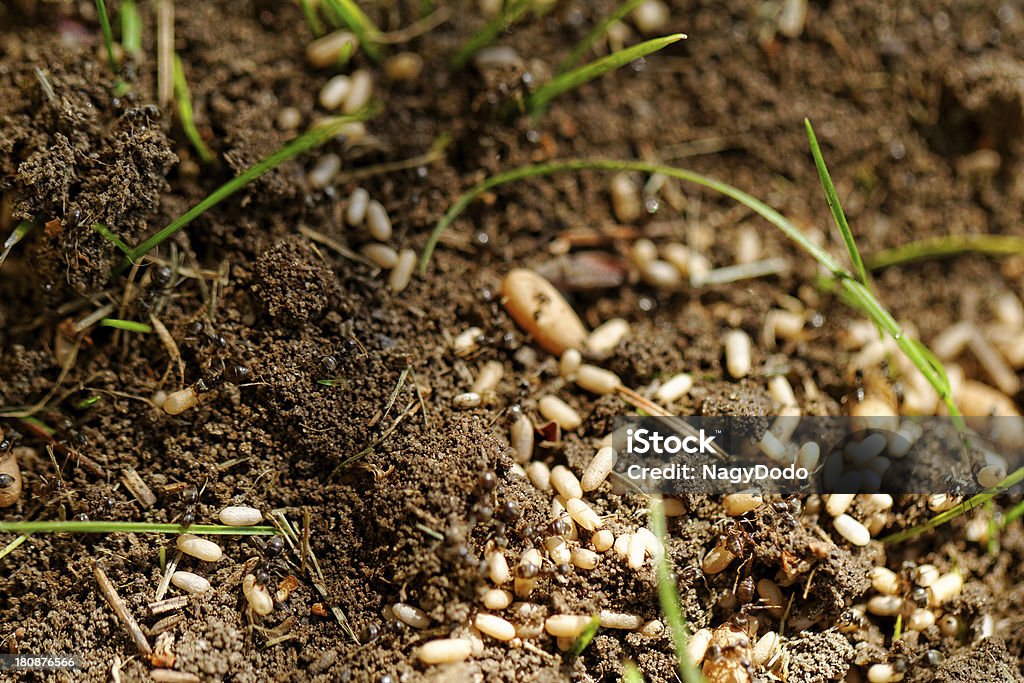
{"x": 560, "y": 412}
{"x": 401, "y": 276}
{"x": 852, "y": 530}
{"x": 240, "y": 515}
{"x": 583, "y": 514}
{"x": 566, "y": 625}
{"x": 189, "y": 582}
{"x": 200, "y": 548}
{"x": 495, "y": 627}
{"x": 565, "y": 482}
{"x": 179, "y": 401}
{"x": 9, "y": 467}
{"x": 497, "y": 599}
{"x": 327, "y": 51}
{"x": 405, "y": 66}
{"x": 409, "y": 615}
{"x": 598, "y": 469}
{"x": 257, "y": 596}
{"x": 597, "y": 380}
{"x": 446, "y": 651}
{"x": 542, "y": 312}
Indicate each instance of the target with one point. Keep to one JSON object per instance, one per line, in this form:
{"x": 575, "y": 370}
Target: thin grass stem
{"x": 510, "y": 13}
{"x": 669, "y": 598}
{"x": 596, "y": 33}
{"x": 131, "y": 27}
{"x": 127, "y": 325}
{"x": 108, "y": 527}
{"x": 946, "y": 247}
{"x": 188, "y": 124}
{"x": 109, "y": 235}
{"x": 108, "y": 34}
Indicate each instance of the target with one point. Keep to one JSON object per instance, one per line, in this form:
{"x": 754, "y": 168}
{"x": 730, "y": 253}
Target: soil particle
{"x": 292, "y": 282}
{"x": 818, "y": 657}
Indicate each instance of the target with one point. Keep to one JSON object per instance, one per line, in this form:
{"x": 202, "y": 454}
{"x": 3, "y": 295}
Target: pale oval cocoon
{"x": 885, "y": 605}
{"x": 569, "y": 363}
{"x": 619, "y": 620}
{"x": 446, "y": 651}
{"x": 257, "y": 596}
{"x": 542, "y": 311}
{"x": 717, "y": 559}
{"x": 583, "y": 514}
{"x": 661, "y": 274}
{"x": 697, "y": 646}
{"x": 240, "y": 515}
{"x": 635, "y": 552}
{"x": 945, "y": 588}
{"x": 584, "y": 559}
{"x": 495, "y": 627}
{"x": 358, "y": 202}
{"x": 737, "y": 504}
{"x": 920, "y": 619}
{"x": 521, "y": 438}
{"x": 200, "y": 548}
{"x": 603, "y": 540}
{"x": 497, "y": 599}
{"x": 327, "y": 50}
{"x": 401, "y": 276}
{"x": 179, "y": 401}
{"x": 885, "y": 581}
{"x": 597, "y": 380}
{"x": 737, "y": 354}
{"x": 189, "y": 582}
{"x": 497, "y": 568}
{"x": 883, "y": 673}
{"x": 539, "y": 475}
{"x": 674, "y": 389}
{"x": 560, "y": 412}
{"x": 334, "y": 92}
{"x": 378, "y": 223}
{"x": 565, "y": 482}
{"x": 852, "y": 530}
{"x": 598, "y": 469}
{"x": 411, "y": 616}
{"x": 359, "y": 93}
{"x": 566, "y": 625}
{"x": 652, "y": 629}
{"x": 603, "y": 340}
{"x": 838, "y": 503}
{"x": 765, "y": 647}
{"x": 381, "y": 254}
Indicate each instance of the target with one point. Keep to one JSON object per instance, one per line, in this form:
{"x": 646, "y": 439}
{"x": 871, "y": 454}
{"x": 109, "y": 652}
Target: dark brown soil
{"x": 900, "y": 96}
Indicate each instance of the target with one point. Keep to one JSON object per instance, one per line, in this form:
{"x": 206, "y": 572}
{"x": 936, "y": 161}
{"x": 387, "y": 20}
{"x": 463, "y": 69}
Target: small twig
{"x": 434, "y": 154}
{"x": 121, "y": 610}
{"x": 743, "y": 271}
{"x": 306, "y": 522}
{"x": 337, "y": 246}
{"x": 165, "y": 582}
{"x": 169, "y": 605}
{"x": 417, "y": 28}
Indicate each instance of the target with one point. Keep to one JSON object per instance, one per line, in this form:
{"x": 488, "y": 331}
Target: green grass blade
{"x": 109, "y": 527}
{"x": 111, "y": 237}
{"x": 631, "y": 674}
{"x": 315, "y": 26}
{"x": 127, "y": 325}
{"x": 1016, "y": 512}
{"x": 538, "y": 101}
{"x": 131, "y": 27}
{"x": 971, "y": 503}
{"x": 184, "y": 100}
{"x": 945, "y": 247}
{"x": 583, "y": 640}
{"x": 366, "y": 31}
{"x": 17, "y": 235}
{"x": 13, "y": 545}
{"x": 832, "y": 197}
{"x": 669, "y": 598}
{"x": 305, "y": 142}
{"x": 511, "y": 12}
{"x": 858, "y": 296}
{"x": 596, "y": 33}
{"x": 108, "y": 34}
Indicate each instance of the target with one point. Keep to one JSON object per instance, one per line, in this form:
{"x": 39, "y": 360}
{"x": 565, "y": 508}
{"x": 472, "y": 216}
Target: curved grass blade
{"x": 108, "y": 34}
{"x": 945, "y": 247}
{"x": 131, "y": 27}
{"x": 366, "y": 31}
{"x": 17, "y": 235}
{"x": 538, "y": 101}
{"x": 188, "y": 124}
{"x": 512, "y": 12}
{"x": 127, "y": 325}
{"x": 309, "y": 12}
{"x": 971, "y": 503}
{"x": 669, "y": 599}
{"x": 853, "y": 292}
{"x": 309, "y": 140}
{"x": 583, "y": 640}
{"x": 595, "y": 34}
{"x": 832, "y": 197}
{"x": 108, "y": 527}
{"x": 109, "y": 235}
